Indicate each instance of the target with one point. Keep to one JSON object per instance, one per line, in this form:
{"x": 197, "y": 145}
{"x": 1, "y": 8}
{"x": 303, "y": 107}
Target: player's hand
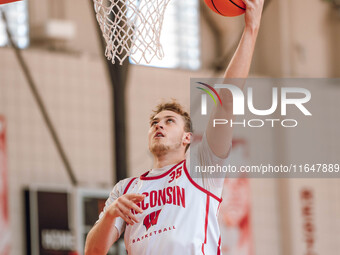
{"x": 122, "y": 206}
{"x": 253, "y": 13}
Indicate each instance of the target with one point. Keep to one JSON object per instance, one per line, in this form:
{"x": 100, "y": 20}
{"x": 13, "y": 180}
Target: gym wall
{"x": 75, "y": 87}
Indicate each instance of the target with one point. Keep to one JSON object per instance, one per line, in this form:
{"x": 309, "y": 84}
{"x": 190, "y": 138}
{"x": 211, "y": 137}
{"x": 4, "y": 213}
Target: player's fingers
{"x": 136, "y": 208}
{"x": 138, "y": 199}
{"x": 131, "y": 205}
{"x": 127, "y": 212}
{"x": 252, "y": 3}
{"x": 246, "y": 2}
{"x": 133, "y": 217}
{"x": 135, "y": 197}
{"x": 125, "y": 218}
{"x": 249, "y": 4}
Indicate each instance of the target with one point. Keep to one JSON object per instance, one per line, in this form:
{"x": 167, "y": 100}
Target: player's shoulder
{"x": 123, "y": 185}
{"x": 126, "y": 181}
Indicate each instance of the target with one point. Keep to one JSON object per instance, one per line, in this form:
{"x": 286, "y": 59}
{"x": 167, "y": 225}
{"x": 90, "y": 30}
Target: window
{"x": 17, "y": 18}
{"x": 180, "y": 37}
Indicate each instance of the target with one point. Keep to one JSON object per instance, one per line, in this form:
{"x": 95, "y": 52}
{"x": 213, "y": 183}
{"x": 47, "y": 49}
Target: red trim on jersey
{"x": 198, "y": 186}
{"x": 129, "y": 184}
{"x": 219, "y": 246}
{"x": 144, "y": 176}
{"x": 206, "y": 223}
{"x": 218, "y": 208}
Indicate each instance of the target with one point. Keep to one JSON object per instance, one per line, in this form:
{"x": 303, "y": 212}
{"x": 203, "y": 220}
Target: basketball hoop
{"x": 131, "y": 28}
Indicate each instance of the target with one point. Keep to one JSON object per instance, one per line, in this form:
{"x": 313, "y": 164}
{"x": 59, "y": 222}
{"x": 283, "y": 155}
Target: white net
{"x": 131, "y": 28}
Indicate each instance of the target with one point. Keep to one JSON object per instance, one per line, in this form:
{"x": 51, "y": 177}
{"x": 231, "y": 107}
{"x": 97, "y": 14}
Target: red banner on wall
{"x": 235, "y": 213}
{"x": 4, "y": 220}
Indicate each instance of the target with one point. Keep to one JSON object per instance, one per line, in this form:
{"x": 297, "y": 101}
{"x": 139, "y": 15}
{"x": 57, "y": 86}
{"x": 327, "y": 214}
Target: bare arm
{"x": 101, "y": 236}
{"x": 104, "y": 233}
{"x": 219, "y": 138}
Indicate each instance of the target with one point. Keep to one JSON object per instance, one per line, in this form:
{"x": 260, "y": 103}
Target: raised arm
{"x": 219, "y": 138}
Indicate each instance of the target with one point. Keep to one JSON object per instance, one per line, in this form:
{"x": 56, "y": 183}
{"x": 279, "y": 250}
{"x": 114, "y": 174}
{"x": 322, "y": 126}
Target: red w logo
{"x": 151, "y": 219}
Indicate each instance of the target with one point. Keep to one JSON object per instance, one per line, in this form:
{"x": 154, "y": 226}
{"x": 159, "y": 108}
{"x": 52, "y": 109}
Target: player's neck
{"x": 167, "y": 159}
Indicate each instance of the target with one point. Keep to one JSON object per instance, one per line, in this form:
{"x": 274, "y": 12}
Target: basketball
{"x": 229, "y": 8}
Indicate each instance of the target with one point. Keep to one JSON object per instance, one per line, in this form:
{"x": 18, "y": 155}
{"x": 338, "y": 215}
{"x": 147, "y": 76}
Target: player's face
{"x": 167, "y": 133}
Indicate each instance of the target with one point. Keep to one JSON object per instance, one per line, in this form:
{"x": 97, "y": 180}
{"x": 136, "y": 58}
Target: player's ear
{"x": 187, "y": 137}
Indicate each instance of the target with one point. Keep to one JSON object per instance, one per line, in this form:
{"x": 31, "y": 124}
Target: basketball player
{"x": 165, "y": 211}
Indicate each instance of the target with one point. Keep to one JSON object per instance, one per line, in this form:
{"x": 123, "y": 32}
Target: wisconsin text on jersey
{"x": 170, "y": 195}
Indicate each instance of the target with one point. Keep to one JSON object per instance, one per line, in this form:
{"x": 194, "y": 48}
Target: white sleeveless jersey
{"x": 179, "y": 216}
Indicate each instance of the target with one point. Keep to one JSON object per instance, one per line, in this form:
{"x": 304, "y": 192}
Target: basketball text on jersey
{"x": 152, "y": 233}
{"x": 171, "y": 195}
